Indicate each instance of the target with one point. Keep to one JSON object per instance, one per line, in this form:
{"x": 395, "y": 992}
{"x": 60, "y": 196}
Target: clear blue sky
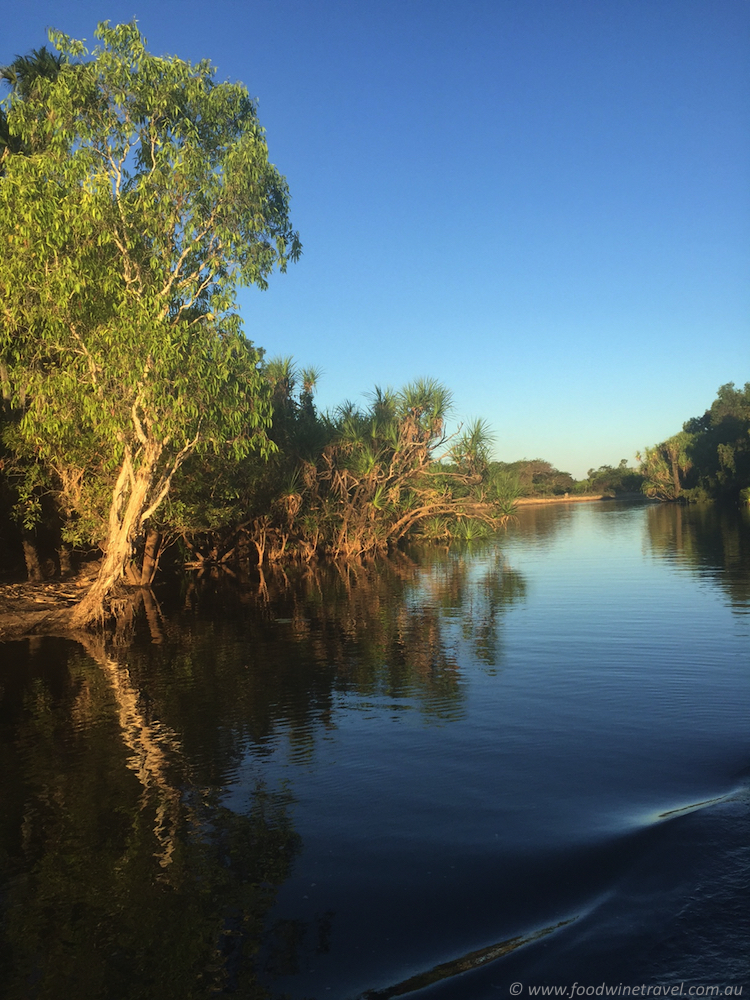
{"x": 545, "y": 204}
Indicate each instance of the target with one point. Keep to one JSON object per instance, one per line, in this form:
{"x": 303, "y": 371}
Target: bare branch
{"x": 166, "y": 481}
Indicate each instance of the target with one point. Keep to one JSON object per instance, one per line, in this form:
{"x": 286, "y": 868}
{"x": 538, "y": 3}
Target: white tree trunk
{"x": 137, "y": 494}
{"x": 129, "y": 501}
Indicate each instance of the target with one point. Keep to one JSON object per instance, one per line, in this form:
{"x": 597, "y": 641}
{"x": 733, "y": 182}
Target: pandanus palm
{"x": 24, "y": 75}
{"x": 379, "y": 477}
{"x": 282, "y": 374}
{"x": 383, "y": 412}
{"x": 665, "y": 466}
{"x": 471, "y": 451}
{"x": 24, "y": 72}
{"x": 427, "y": 402}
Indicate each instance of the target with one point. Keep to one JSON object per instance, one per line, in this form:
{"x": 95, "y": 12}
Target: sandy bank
{"x": 525, "y": 501}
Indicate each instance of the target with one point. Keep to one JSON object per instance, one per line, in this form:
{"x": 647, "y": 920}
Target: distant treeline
{"x": 709, "y": 459}
{"x": 538, "y": 478}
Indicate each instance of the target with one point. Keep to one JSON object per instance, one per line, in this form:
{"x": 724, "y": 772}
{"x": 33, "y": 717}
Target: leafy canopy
{"x": 144, "y": 200}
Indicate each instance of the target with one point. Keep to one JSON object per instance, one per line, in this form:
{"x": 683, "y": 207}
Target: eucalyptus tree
{"x": 23, "y": 76}
{"x": 29, "y": 482}
{"x": 146, "y": 199}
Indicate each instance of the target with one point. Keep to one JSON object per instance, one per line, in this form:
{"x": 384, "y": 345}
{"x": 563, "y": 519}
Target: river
{"x": 521, "y": 761}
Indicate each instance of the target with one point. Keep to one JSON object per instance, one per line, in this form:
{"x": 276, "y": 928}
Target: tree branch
{"x": 163, "y": 488}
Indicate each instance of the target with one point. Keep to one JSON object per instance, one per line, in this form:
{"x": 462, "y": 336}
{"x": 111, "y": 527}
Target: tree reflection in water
{"x": 124, "y": 878}
{"x": 126, "y": 875}
{"x": 705, "y": 538}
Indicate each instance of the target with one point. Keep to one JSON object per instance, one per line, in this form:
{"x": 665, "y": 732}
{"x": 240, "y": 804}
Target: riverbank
{"x": 525, "y": 501}
{"x": 28, "y": 609}
{"x": 37, "y": 608}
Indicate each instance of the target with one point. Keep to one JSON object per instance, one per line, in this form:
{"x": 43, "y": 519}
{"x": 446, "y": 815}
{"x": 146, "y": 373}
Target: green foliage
{"x": 612, "y": 480}
{"x": 665, "y": 467}
{"x": 25, "y": 72}
{"x": 24, "y": 75}
{"x": 471, "y": 451}
{"x": 360, "y": 481}
{"x": 535, "y": 477}
{"x": 145, "y": 199}
{"x": 710, "y": 458}
{"x": 720, "y": 445}
{"x": 136, "y": 196}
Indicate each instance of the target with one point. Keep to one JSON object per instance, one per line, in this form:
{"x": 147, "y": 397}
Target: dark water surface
{"x": 526, "y": 761}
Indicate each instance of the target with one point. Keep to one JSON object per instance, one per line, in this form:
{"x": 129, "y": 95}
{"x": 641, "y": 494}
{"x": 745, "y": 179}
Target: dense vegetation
{"x": 136, "y": 196}
{"x": 709, "y": 459}
{"x": 535, "y": 477}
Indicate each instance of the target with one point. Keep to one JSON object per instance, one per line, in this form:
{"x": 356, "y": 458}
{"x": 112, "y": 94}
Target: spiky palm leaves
{"x": 376, "y": 476}
{"x": 665, "y": 465}
{"x": 24, "y": 75}
{"x": 374, "y": 463}
{"x": 471, "y": 451}
{"x": 380, "y": 478}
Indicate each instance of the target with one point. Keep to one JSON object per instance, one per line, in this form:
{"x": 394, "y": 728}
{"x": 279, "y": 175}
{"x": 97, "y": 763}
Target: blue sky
{"x": 545, "y": 204}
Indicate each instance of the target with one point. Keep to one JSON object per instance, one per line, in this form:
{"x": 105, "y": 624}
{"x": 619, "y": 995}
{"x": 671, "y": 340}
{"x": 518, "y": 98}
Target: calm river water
{"x": 526, "y": 761}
